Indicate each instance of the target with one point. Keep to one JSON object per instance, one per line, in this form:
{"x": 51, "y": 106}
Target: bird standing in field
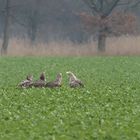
{"x": 26, "y": 83}
{"x": 74, "y": 81}
{"x": 41, "y": 82}
{"x": 55, "y": 83}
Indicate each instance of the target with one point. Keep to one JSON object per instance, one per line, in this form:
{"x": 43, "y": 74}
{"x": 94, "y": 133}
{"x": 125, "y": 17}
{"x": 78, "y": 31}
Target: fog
{"x": 44, "y": 27}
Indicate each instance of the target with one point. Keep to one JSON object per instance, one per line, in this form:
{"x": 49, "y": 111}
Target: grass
{"x": 108, "y": 108}
{"x": 124, "y": 45}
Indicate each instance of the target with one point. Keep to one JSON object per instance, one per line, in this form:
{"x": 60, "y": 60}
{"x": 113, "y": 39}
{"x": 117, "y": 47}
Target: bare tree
{"x": 102, "y": 10}
{"x": 6, "y": 29}
{"x": 30, "y": 17}
{"x": 33, "y": 21}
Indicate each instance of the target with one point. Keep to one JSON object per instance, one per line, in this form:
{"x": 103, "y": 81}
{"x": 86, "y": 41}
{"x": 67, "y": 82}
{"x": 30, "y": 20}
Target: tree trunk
{"x": 33, "y": 31}
{"x": 6, "y": 29}
{"x": 33, "y": 23}
{"x": 101, "y": 42}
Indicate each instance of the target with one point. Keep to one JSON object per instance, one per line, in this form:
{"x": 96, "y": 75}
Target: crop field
{"x": 107, "y": 108}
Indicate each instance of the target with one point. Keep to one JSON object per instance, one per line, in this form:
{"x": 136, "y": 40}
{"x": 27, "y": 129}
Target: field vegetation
{"x": 124, "y": 45}
{"x": 108, "y": 108}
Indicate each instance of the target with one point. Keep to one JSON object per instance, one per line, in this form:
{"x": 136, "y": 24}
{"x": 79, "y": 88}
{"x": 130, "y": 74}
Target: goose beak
{"x": 43, "y": 72}
{"x": 68, "y": 72}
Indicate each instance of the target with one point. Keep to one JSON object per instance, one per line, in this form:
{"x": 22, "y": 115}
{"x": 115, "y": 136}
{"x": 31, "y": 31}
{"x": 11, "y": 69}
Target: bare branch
{"x": 114, "y": 4}
{"x": 123, "y": 3}
{"x": 135, "y": 4}
{"x": 130, "y": 4}
{"x": 91, "y": 5}
{"x": 18, "y": 22}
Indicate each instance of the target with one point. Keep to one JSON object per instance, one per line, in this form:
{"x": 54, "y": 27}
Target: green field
{"x": 108, "y": 108}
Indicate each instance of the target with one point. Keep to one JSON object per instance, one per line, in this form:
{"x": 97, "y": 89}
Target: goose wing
{"x": 53, "y": 84}
{"x": 76, "y": 83}
{"x": 39, "y": 83}
{"x": 25, "y": 84}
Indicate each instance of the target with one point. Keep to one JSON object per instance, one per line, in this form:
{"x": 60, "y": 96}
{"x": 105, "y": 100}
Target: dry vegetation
{"x": 126, "y": 45}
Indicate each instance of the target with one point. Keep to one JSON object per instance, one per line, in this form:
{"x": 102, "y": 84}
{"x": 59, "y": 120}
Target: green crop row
{"x": 108, "y": 108}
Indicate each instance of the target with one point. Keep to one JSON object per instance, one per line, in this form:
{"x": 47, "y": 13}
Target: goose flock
{"x": 42, "y": 82}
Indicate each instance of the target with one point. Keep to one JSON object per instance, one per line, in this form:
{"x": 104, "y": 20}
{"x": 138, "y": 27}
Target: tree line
{"x": 67, "y": 19}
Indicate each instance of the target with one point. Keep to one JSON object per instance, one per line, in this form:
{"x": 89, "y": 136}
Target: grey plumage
{"x": 27, "y": 82}
{"x": 74, "y": 81}
{"x": 41, "y": 82}
{"x": 55, "y": 83}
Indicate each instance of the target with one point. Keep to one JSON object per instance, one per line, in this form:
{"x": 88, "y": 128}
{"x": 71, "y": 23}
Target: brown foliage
{"x": 117, "y": 23}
